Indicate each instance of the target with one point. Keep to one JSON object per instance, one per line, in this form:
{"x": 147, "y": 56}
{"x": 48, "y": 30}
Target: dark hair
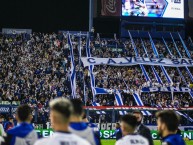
{"x": 130, "y": 119}
{"x": 118, "y": 124}
{"x": 1, "y": 116}
{"x": 78, "y": 107}
{"x": 23, "y": 112}
{"x": 170, "y": 118}
{"x": 138, "y": 112}
{"x": 62, "y": 106}
{"x": 84, "y": 116}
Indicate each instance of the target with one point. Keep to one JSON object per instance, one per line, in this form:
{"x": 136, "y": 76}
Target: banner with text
{"x": 109, "y": 134}
{"x": 129, "y": 61}
{"x": 145, "y": 90}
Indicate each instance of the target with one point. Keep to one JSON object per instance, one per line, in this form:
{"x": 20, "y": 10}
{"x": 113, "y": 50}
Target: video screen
{"x": 153, "y": 8}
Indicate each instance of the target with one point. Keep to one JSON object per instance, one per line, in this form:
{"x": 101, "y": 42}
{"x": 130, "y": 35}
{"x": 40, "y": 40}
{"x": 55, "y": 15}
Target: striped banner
{"x": 119, "y": 102}
{"x": 185, "y": 116}
{"x": 156, "y": 75}
{"x": 98, "y": 112}
{"x": 73, "y": 70}
{"x": 140, "y": 103}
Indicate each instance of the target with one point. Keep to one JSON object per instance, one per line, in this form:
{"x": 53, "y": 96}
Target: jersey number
{"x": 64, "y": 143}
{"x": 28, "y": 143}
{"x": 68, "y": 143}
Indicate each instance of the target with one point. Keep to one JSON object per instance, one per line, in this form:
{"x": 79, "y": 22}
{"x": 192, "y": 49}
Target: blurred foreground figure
{"x": 128, "y": 126}
{"x": 23, "y": 133}
{"x": 60, "y": 113}
{"x": 79, "y": 127}
{"x": 2, "y": 132}
{"x": 141, "y": 128}
{"x": 118, "y": 132}
{"x": 167, "y": 124}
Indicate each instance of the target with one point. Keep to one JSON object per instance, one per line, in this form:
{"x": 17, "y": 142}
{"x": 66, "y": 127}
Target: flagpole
{"x": 91, "y": 11}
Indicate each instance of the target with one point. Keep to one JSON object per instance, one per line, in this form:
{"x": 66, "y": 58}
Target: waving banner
{"x": 128, "y": 61}
{"x": 146, "y": 90}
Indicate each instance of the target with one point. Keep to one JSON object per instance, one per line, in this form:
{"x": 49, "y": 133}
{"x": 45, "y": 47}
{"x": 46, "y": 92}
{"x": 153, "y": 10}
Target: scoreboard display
{"x": 153, "y": 8}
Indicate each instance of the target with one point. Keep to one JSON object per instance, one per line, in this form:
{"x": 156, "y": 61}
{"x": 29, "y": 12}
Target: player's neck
{"x": 128, "y": 133}
{"x": 167, "y": 133}
{"x": 76, "y": 119}
{"x": 27, "y": 121}
{"x": 63, "y": 128}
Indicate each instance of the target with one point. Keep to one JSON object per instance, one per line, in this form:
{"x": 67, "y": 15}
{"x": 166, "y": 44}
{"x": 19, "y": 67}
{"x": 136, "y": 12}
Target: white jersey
{"x": 83, "y": 130}
{"x": 132, "y": 140}
{"x": 61, "y": 138}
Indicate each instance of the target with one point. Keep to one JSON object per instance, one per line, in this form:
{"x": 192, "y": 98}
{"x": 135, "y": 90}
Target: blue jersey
{"x": 8, "y": 125}
{"x": 23, "y": 134}
{"x": 117, "y": 134}
{"x": 83, "y": 130}
{"x": 173, "y": 139}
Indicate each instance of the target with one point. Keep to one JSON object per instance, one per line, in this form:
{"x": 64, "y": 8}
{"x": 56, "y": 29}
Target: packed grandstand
{"x": 37, "y": 68}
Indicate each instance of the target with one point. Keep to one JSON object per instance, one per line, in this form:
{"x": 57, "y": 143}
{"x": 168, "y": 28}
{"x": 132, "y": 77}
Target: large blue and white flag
{"x": 184, "y": 45}
{"x": 167, "y": 46}
{"x": 156, "y": 75}
{"x": 189, "y": 73}
{"x": 90, "y": 67}
{"x": 98, "y": 112}
{"x": 72, "y": 71}
{"x": 119, "y": 102}
{"x": 130, "y": 61}
{"x": 185, "y": 116}
{"x": 145, "y": 73}
{"x": 166, "y": 74}
{"x": 175, "y": 45}
{"x": 139, "y": 102}
{"x": 153, "y": 46}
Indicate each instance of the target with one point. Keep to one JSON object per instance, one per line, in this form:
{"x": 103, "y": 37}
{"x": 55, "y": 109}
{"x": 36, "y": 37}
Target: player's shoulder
{"x": 42, "y": 141}
{"x": 80, "y": 140}
{"x": 142, "y": 139}
{"x": 133, "y": 139}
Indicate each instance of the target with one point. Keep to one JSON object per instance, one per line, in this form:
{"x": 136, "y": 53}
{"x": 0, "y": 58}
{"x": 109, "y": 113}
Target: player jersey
{"x": 83, "y": 130}
{"x": 174, "y": 139}
{"x": 96, "y": 132}
{"x": 8, "y": 125}
{"x": 62, "y": 138}
{"x": 118, "y": 133}
{"x": 23, "y": 134}
{"x": 132, "y": 139}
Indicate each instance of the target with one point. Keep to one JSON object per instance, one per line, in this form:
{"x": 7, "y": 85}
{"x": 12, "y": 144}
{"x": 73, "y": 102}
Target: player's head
{"x": 23, "y": 114}
{"x": 1, "y": 118}
{"x": 128, "y": 124}
{"x": 77, "y": 108}
{"x": 60, "y": 113}
{"x": 139, "y": 116}
{"x": 118, "y": 125}
{"x": 167, "y": 122}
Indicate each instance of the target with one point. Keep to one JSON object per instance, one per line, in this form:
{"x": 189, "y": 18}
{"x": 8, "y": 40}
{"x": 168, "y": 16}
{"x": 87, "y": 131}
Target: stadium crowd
{"x": 35, "y": 69}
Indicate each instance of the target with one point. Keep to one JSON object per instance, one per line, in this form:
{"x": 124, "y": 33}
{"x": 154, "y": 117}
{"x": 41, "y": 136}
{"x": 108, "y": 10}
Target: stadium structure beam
{"x": 91, "y": 14}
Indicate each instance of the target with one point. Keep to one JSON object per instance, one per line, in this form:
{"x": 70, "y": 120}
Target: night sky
{"x": 45, "y": 16}
{"x": 51, "y": 16}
